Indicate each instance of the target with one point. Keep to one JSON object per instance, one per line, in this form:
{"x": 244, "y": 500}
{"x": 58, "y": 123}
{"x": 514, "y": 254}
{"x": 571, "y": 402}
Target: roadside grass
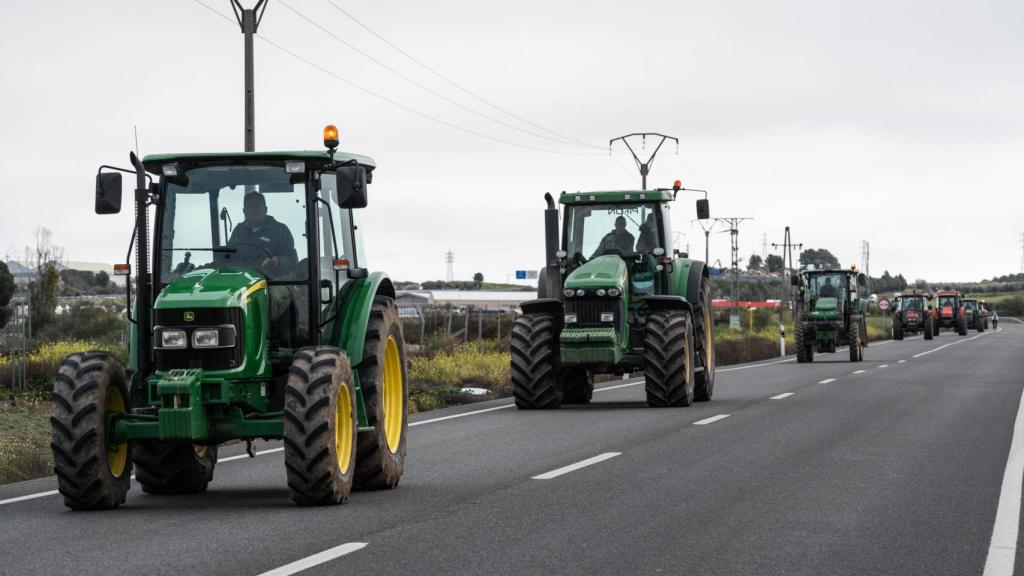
{"x": 437, "y": 377}
{"x": 24, "y": 439}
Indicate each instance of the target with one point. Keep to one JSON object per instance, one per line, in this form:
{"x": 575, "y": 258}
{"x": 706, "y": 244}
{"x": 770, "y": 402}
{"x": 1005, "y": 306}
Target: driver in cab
{"x": 618, "y": 239}
{"x": 271, "y": 242}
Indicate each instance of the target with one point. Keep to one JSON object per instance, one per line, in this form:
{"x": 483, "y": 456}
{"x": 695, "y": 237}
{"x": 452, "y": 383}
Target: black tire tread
{"x": 704, "y": 380}
{"x": 163, "y": 467}
{"x": 534, "y": 350}
{"x": 668, "y": 359}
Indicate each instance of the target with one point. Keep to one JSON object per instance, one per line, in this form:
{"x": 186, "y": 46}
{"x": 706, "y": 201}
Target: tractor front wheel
{"x": 804, "y": 349}
{"x": 961, "y": 325}
{"x": 91, "y": 473}
{"x": 320, "y": 426}
{"x": 174, "y": 467}
{"x": 897, "y": 329}
{"x": 856, "y": 345}
{"x": 380, "y": 458}
{"x": 668, "y": 358}
{"x": 535, "y": 382}
{"x": 929, "y": 328}
{"x": 577, "y": 385}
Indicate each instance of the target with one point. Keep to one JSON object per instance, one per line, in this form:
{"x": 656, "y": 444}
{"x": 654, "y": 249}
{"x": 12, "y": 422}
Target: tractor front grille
{"x": 207, "y": 359}
{"x": 588, "y": 310}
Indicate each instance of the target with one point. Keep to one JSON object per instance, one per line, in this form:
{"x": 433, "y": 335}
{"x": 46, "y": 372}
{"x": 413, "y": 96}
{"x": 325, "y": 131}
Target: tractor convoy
{"x": 256, "y": 317}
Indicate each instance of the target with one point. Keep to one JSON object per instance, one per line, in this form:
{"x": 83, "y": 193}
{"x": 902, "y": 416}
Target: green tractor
{"x": 829, "y": 313}
{"x": 614, "y": 298}
{"x": 976, "y": 314}
{"x": 258, "y": 319}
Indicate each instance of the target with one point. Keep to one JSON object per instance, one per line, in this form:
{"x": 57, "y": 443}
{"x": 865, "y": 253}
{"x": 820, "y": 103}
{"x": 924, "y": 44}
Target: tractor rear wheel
{"x": 897, "y": 329}
{"x": 856, "y": 346}
{"x": 929, "y": 328}
{"x": 535, "y": 382}
{"x": 174, "y": 467}
{"x": 91, "y": 474}
{"x": 703, "y": 345}
{"x": 804, "y": 349}
{"x": 577, "y": 385}
{"x": 320, "y": 426}
{"x": 961, "y": 325}
{"x": 380, "y": 456}
{"x": 669, "y": 358}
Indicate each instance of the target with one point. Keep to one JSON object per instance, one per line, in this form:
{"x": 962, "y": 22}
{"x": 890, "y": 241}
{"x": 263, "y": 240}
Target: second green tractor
{"x": 829, "y": 313}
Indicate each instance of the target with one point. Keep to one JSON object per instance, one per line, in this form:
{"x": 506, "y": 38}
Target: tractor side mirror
{"x": 794, "y": 280}
{"x": 861, "y": 279}
{"x": 703, "y": 209}
{"x": 108, "y": 192}
{"x": 351, "y": 186}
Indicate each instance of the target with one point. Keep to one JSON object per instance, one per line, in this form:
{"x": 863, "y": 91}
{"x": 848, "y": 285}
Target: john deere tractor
{"x": 912, "y": 313}
{"x": 829, "y": 313}
{"x": 949, "y": 312}
{"x": 614, "y": 297}
{"x": 975, "y": 314}
{"x": 257, "y": 319}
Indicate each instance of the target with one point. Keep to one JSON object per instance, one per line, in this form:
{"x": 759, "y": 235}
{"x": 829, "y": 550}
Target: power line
{"x": 395, "y": 103}
{"x": 568, "y": 139}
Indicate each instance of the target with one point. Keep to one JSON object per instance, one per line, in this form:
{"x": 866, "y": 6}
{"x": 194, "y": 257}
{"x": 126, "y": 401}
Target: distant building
{"x": 410, "y": 301}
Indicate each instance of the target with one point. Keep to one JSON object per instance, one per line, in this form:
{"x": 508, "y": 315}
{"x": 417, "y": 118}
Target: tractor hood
{"x": 211, "y": 288}
{"x": 602, "y": 272}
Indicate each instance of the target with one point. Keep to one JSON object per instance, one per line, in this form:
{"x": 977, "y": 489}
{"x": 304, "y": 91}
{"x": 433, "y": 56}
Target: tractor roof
{"x": 153, "y": 161}
{"x": 914, "y": 292}
{"x": 948, "y": 293}
{"x": 828, "y": 271}
{"x": 616, "y": 196}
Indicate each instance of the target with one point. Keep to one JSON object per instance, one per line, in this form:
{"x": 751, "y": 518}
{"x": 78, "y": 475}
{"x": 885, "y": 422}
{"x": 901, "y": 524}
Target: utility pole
{"x": 249, "y": 20}
{"x": 734, "y": 234}
{"x": 645, "y": 167}
{"x": 764, "y": 249}
{"x": 707, "y": 238}
{"x": 1022, "y": 252}
{"x": 787, "y": 265}
{"x": 865, "y": 264}
{"x": 449, "y": 258}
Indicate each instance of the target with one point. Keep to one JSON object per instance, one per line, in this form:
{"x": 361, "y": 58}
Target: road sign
{"x": 883, "y": 304}
{"x": 520, "y": 274}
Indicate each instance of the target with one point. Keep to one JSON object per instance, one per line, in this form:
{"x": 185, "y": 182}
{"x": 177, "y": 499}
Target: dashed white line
{"x": 1002, "y": 550}
{"x": 827, "y": 381}
{"x": 573, "y": 467}
{"x": 884, "y": 366}
{"x": 859, "y": 371}
{"x": 710, "y": 420}
{"x": 462, "y": 415}
{"x": 781, "y": 396}
{"x": 316, "y": 559}
{"x": 901, "y": 361}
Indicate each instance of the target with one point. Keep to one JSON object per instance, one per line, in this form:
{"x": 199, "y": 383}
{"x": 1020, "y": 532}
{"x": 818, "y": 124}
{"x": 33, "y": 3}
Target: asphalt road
{"x": 816, "y": 470}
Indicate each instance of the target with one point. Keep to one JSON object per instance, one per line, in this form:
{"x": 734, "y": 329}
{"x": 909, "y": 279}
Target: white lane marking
{"x": 781, "y": 396}
{"x": 632, "y": 383}
{"x": 572, "y": 467}
{"x": 464, "y": 414}
{"x": 859, "y": 371}
{"x": 1002, "y": 550}
{"x": 954, "y": 343}
{"x": 315, "y": 559}
{"x": 755, "y": 365}
{"x": 884, "y": 366}
{"x": 901, "y": 361}
{"x": 29, "y": 497}
{"x": 710, "y": 420}
{"x": 258, "y": 453}
{"x": 827, "y": 381}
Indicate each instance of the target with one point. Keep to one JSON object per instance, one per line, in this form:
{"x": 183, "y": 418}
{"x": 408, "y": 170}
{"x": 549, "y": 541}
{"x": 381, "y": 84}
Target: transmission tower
{"x": 764, "y": 248}
{"x": 449, "y": 258}
{"x": 865, "y": 264}
{"x": 1022, "y": 252}
{"x": 734, "y": 236}
{"x": 787, "y": 266}
{"x": 645, "y": 167}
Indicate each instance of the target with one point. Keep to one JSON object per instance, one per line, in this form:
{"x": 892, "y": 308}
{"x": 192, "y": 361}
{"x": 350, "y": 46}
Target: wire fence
{"x": 467, "y": 323}
{"x": 15, "y": 344}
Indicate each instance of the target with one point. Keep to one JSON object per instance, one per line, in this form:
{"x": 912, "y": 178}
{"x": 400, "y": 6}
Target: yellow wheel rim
{"x": 393, "y": 397}
{"x": 200, "y": 450}
{"x": 343, "y": 428}
{"x": 117, "y": 458}
{"x": 709, "y": 346}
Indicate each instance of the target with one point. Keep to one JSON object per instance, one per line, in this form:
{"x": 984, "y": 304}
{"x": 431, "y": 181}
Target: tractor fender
{"x": 348, "y": 328}
{"x": 656, "y": 303}
{"x": 542, "y": 306}
{"x": 686, "y": 278}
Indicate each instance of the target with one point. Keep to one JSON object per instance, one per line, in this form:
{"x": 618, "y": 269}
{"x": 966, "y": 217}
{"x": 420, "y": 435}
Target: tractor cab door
{"x": 340, "y": 246}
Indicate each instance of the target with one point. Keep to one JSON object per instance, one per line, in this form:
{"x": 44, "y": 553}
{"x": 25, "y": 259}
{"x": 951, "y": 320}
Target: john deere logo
{"x": 189, "y": 316}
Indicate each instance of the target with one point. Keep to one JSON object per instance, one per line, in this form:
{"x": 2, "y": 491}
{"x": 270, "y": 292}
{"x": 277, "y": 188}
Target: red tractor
{"x": 949, "y": 312}
{"x": 912, "y": 312}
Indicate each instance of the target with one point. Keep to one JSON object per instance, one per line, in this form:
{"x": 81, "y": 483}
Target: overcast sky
{"x": 895, "y": 122}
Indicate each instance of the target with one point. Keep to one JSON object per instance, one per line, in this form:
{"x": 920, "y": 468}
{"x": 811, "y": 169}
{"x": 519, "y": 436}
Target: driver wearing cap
{"x": 618, "y": 239}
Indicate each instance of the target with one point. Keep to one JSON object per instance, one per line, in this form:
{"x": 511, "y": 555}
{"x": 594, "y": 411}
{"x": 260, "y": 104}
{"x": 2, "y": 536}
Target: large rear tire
{"x": 804, "y": 349}
{"x": 91, "y": 474}
{"x": 703, "y": 345}
{"x": 929, "y": 328}
{"x": 380, "y": 457}
{"x": 174, "y": 467}
{"x": 961, "y": 325}
{"x": 577, "y": 385}
{"x": 320, "y": 426}
{"x": 668, "y": 359}
{"x": 535, "y": 382}
{"x": 897, "y": 329}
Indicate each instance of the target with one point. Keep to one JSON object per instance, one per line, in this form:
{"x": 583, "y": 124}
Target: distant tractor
{"x": 949, "y": 312}
{"x": 829, "y": 313}
{"x": 258, "y": 319}
{"x": 614, "y": 297}
{"x": 976, "y": 314}
{"x": 911, "y": 314}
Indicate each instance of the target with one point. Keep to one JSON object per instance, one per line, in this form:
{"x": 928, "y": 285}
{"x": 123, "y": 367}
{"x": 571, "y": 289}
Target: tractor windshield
{"x": 251, "y": 215}
{"x": 916, "y": 304}
{"x": 949, "y": 301}
{"x": 969, "y": 305}
{"x": 596, "y": 229}
{"x": 825, "y": 285}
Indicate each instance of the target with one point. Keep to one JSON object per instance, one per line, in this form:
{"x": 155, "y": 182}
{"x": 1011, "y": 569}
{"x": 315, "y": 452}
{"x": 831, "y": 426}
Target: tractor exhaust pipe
{"x": 552, "y": 278}
{"x": 144, "y": 296}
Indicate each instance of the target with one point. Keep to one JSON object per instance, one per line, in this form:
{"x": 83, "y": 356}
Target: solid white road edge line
{"x": 781, "y": 396}
{"x": 464, "y": 414}
{"x": 1002, "y": 550}
{"x": 316, "y": 559}
{"x": 710, "y": 420}
{"x": 573, "y": 467}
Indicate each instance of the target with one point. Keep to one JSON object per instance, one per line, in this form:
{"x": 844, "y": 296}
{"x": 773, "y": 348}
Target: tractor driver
{"x": 618, "y": 239}
{"x": 827, "y": 290}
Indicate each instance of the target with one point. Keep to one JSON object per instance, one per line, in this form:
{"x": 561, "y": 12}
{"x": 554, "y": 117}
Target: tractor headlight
{"x": 173, "y": 339}
{"x": 613, "y": 292}
{"x": 568, "y": 292}
{"x": 581, "y": 292}
{"x": 570, "y": 318}
{"x": 600, "y": 292}
{"x": 607, "y": 316}
{"x": 205, "y": 338}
